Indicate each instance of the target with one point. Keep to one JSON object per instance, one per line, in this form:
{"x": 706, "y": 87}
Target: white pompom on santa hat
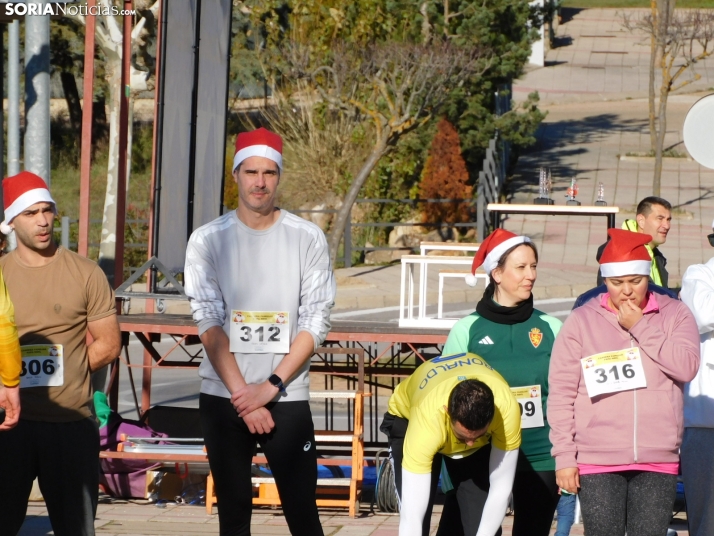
{"x": 491, "y": 251}
{"x": 625, "y": 254}
{"x": 20, "y": 192}
{"x": 259, "y": 142}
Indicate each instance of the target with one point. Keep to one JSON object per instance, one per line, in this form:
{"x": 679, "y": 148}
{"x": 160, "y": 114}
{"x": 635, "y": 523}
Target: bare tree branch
{"x": 685, "y": 36}
{"x": 398, "y": 87}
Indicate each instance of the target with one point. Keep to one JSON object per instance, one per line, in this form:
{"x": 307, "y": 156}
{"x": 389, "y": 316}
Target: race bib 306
{"x": 42, "y": 366}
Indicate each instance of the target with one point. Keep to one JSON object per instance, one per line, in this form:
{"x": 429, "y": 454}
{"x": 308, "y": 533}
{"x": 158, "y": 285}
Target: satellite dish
{"x": 698, "y": 131}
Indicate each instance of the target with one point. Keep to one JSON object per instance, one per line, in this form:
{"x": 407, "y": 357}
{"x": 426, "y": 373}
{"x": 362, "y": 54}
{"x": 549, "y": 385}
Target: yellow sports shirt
{"x": 423, "y": 397}
{"x": 10, "y": 357}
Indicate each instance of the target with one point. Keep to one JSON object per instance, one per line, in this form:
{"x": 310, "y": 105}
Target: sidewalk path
{"x": 123, "y": 519}
{"x": 131, "y": 519}
{"x": 596, "y": 59}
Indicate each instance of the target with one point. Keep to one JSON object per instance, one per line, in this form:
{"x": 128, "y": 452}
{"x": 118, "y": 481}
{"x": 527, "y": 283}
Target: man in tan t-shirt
{"x": 59, "y": 298}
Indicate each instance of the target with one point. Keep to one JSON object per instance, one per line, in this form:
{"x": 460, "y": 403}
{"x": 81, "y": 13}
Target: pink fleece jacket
{"x": 637, "y": 426}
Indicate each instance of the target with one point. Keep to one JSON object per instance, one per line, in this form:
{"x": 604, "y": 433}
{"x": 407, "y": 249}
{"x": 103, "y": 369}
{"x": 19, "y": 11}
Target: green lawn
{"x": 633, "y": 3}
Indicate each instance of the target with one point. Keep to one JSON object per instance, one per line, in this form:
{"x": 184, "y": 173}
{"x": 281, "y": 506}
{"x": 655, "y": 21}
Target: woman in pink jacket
{"x": 616, "y": 377}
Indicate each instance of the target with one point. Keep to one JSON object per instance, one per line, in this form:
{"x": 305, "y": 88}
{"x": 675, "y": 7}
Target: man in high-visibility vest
{"x": 654, "y": 217}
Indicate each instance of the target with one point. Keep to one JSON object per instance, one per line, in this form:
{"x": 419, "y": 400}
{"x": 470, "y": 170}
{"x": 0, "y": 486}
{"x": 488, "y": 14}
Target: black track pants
{"x": 395, "y": 428}
{"x": 470, "y": 478}
{"x": 291, "y": 454}
{"x": 637, "y": 502}
{"x": 64, "y": 457}
{"x": 535, "y": 497}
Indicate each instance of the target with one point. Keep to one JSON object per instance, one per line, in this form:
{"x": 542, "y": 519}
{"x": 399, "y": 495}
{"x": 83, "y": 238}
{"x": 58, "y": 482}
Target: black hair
{"x": 502, "y": 261}
{"x": 644, "y": 207}
{"x": 471, "y": 405}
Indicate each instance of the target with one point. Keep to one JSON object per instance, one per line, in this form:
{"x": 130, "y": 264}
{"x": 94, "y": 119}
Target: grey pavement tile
{"x": 155, "y": 528}
{"x": 354, "y": 531}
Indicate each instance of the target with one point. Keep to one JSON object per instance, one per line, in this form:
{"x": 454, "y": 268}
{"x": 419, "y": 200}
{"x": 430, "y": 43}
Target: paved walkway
{"x": 148, "y": 520}
{"x": 124, "y": 518}
{"x": 596, "y": 59}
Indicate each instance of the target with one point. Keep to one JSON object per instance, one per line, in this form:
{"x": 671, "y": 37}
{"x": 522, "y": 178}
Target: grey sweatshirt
{"x": 284, "y": 268}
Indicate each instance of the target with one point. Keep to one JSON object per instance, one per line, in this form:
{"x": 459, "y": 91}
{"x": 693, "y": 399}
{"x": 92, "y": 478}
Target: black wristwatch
{"x": 277, "y": 382}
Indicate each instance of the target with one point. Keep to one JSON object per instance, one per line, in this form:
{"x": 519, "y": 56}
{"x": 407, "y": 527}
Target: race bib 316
{"x": 612, "y": 372}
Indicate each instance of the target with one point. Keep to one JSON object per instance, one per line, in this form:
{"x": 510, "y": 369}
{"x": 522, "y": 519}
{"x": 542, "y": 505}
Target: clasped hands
{"x": 249, "y": 402}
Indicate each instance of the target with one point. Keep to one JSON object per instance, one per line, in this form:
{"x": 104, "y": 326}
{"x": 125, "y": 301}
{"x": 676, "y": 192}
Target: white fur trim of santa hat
{"x": 491, "y": 251}
{"x": 619, "y": 269}
{"x": 491, "y": 260}
{"x": 29, "y": 198}
{"x": 258, "y": 150}
{"x": 625, "y": 254}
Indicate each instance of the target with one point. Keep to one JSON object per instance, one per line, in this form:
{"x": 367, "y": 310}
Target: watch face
{"x": 276, "y": 381}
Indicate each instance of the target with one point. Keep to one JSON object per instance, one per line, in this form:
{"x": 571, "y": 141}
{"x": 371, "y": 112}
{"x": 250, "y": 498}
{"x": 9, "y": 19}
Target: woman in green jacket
{"x": 516, "y": 340}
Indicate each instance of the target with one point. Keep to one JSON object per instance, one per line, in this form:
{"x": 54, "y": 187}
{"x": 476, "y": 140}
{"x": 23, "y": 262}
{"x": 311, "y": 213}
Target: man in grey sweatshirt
{"x": 261, "y": 288}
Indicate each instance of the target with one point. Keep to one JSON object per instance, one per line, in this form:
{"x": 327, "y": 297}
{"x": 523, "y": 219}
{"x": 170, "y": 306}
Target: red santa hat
{"x": 491, "y": 251}
{"x": 20, "y": 192}
{"x": 260, "y": 142}
{"x": 625, "y": 254}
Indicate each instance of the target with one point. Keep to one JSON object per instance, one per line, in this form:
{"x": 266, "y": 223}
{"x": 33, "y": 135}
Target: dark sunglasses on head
{"x": 710, "y": 237}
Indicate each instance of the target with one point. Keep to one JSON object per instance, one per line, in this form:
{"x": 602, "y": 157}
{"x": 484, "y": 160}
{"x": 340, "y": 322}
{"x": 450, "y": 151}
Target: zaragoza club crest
{"x": 535, "y": 335}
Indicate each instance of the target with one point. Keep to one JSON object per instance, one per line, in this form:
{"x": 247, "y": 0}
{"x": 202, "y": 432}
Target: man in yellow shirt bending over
{"x": 455, "y": 408}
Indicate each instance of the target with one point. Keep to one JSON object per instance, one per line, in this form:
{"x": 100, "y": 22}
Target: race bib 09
{"x": 612, "y": 372}
{"x": 42, "y": 366}
{"x": 531, "y": 404}
{"x": 260, "y": 332}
